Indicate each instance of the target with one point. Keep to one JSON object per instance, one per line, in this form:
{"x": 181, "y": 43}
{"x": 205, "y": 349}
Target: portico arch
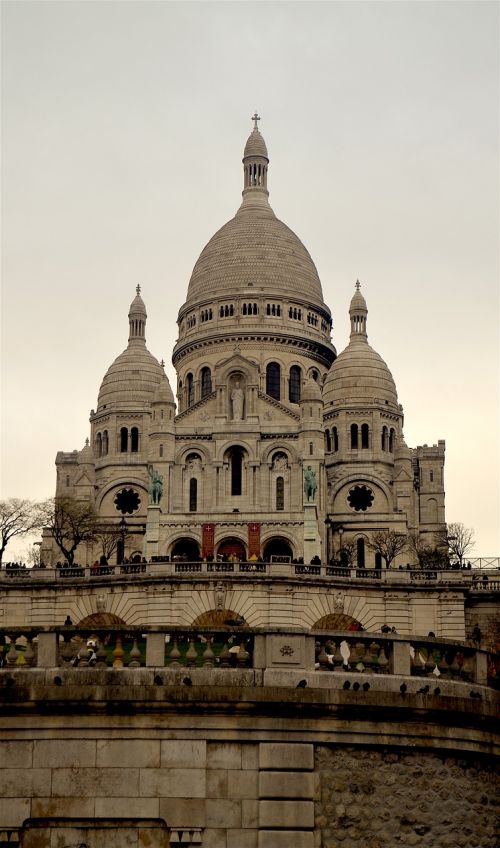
{"x": 186, "y": 548}
{"x": 232, "y": 547}
{"x": 337, "y": 621}
{"x": 278, "y": 546}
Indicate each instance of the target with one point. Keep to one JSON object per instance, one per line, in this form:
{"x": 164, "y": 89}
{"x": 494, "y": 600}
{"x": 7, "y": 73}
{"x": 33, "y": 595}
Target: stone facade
{"x": 262, "y": 402}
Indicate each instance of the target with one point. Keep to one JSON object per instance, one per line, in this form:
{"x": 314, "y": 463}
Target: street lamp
{"x": 123, "y": 530}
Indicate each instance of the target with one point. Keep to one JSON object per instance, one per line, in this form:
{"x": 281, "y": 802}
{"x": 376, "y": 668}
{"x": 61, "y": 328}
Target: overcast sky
{"x": 123, "y": 127}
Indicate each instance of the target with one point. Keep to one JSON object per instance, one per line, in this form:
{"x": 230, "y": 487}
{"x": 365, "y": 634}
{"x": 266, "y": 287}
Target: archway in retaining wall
{"x": 337, "y": 621}
{"x": 100, "y": 620}
{"x": 219, "y": 618}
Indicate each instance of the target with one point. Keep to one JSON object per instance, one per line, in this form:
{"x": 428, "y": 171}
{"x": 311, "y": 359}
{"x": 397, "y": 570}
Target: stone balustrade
{"x": 478, "y": 578}
{"x": 355, "y": 655}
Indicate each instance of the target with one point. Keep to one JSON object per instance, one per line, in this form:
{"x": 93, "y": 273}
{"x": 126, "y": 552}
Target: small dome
{"x": 311, "y": 391}
{"x": 131, "y": 381}
{"x": 358, "y": 303}
{"x": 359, "y": 376}
{"x": 137, "y": 307}
{"x": 163, "y": 393}
{"x": 255, "y": 146}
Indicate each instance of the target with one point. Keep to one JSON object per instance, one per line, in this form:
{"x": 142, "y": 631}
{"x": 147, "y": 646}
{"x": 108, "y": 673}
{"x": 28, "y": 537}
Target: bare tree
{"x": 347, "y": 553}
{"x": 107, "y": 537}
{"x": 70, "y": 522}
{"x": 388, "y": 544}
{"x": 428, "y": 556}
{"x": 18, "y": 517}
{"x": 457, "y": 539}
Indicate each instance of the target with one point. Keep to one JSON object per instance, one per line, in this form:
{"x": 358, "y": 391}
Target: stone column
{"x": 312, "y": 540}
{"x": 152, "y": 530}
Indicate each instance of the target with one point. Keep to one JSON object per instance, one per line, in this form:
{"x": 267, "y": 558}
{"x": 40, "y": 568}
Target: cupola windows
{"x": 273, "y": 309}
{"x": 226, "y": 311}
{"x": 295, "y": 313}
{"x": 128, "y": 441}
{"x": 249, "y": 309}
{"x": 206, "y": 315}
{"x": 360, "y": 436}
{"x": 312, "y": 319}
{"x": 388, "y": 439}
{"x": 102, "y": 444}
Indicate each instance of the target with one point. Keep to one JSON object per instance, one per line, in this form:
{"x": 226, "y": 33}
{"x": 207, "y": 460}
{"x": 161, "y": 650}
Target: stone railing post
{"x": 155, "y": 649}
{"x": 47, "y": 650}
{"x": 400, "y": 658}
{"x": 481, "y": 668}
{"x": 259, "y": 651}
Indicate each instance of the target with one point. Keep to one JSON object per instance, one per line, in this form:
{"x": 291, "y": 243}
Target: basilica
{"x": 274, "y": 448}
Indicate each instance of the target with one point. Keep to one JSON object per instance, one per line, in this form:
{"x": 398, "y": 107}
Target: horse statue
{"x": 310, "y": 484}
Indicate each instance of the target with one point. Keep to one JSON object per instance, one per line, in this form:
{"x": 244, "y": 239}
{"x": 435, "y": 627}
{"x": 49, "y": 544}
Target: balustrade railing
{"x": 477, "y": 579}
{"x": 353, "y": 654}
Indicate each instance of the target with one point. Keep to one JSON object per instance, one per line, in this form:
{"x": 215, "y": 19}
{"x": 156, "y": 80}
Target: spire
{"x": 255, "y": 161}
{"x": 358, "y": 312}
{"x": 137, "y": 319}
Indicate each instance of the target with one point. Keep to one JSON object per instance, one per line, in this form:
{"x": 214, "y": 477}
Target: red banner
{"x": 207, "y": 540}
{"x": 253, "y": 540}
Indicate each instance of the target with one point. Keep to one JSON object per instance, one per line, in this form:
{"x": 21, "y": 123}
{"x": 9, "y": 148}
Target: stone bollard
{"x": 155, "y": 650}
{"x": 400, "y": 658}
{"x": 47, "y": 650}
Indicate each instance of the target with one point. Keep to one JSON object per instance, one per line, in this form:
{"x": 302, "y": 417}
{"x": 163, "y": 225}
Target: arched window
{"x": 236, "y": 470}
{"x": 206, "y": 382}
{"x": 378, "y": 560}
{"x": 280, "y": 493}
{"x": 98, "y": 444}
{"x": 328, "y": 441}
{"x": 273, "y": 380}
{"x": 354, "y": 436}
{"x": 105, "y": 443}
{"x": 385, "y": 438}
{"x": 123, "y": 440}
{"x": 244, "y": 310}
{"x": 360, "y": 553}
{"x": 161, "y": 450}
{"x": 364, "y": 435}
{"x": 190, "y": 389}
{"x": 193, "y": 494}
{"x": 294, "y": 384}
{"x": 134, "y": 440}
{"x": 335, "y": 437}
{"x": 391, "y": 440}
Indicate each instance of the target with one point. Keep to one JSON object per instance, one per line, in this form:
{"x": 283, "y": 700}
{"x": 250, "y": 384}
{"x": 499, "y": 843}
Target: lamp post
{"x": 123, "y": 529}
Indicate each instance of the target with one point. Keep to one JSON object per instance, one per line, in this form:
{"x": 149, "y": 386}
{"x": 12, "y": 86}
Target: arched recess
{"x": 186, "y": 549}
{"x": 232, "y": 547}
{"x": 338, "y": 621}
{"x": 101, "y": 619}
{"x": 277, "y": 546}
{"x": 219, "y": 618}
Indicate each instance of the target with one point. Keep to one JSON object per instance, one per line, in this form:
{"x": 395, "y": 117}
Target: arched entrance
{"x": 277, "y": 547}
{"x": 101, "y": 620}
{"x": 232, "y": 549}
{"x": 337, "y": 621}
{"x": 186, "y": 549}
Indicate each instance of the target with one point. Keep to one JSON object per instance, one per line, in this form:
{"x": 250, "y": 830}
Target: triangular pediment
{"x": 403, "y": 475}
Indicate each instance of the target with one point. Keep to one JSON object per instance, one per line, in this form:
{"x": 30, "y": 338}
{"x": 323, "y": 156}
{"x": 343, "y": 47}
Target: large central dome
{"x": 255, "y": 248}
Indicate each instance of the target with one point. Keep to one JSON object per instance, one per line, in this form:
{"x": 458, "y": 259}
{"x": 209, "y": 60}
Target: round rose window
{"x": 360, "y": 498}
{"x": 127, "y": 501}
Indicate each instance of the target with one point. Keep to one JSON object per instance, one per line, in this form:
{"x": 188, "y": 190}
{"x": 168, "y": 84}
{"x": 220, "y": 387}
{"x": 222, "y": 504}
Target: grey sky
{"x": 123, "y": 126}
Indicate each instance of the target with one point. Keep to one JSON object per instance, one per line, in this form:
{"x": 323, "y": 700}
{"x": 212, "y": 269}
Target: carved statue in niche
{"x": 237, "y": 401}
{"x": 310, "y": 484}
{"x": 193, "y": 462}
{"x": 280, "y": 462}
{"x": 220, "y": 596}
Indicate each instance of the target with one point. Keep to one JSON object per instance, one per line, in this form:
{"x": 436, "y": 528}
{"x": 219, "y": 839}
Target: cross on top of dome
{"x": 138, "y": 288}
{"x": 255, "y": 118}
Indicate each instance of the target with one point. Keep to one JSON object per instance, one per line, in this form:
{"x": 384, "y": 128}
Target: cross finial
{"x": 162, "y": 363}
{"x": 138, "y": 288}
{"x": 358, "y": 285}
{"x": 255, "y": 118}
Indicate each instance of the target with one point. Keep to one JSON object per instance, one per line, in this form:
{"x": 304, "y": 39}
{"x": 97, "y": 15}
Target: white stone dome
{"x": 359, "y": 376}
{"x": 133, "y": 379}
{"x": 255, "y": 249}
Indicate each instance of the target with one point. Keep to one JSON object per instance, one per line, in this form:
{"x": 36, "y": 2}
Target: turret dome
{"x": 359, "y": 375}
{"x": 134, "y": 377}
